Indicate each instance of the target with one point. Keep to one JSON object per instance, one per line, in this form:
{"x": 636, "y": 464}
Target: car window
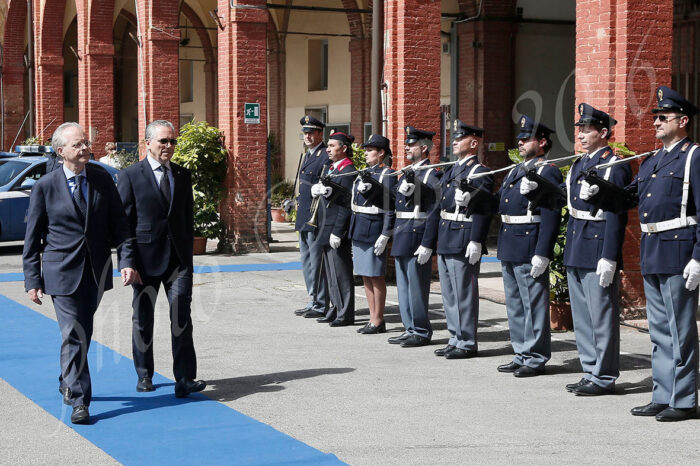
{"x": 34, "y": 174}
{"x": 11, "y": 169}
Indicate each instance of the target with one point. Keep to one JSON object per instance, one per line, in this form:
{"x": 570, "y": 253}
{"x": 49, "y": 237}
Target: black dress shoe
{"x": 184, "y": 387}
{"x": 510, "y": 367}
{"x": 67, "y": 395}
{"x": 314, "y": 314}
{"x": 591, "y": 389}
{"x": 80, "y": 415}
{"x": 362, "y": 329}
{"x": 677, "y": 414}
{"x": 525, "y": 371}
{"x": 397, "y": 340}
{"x": 145, "y": 384}
{"x": 414, "y": 341}
{"x": 443, "y": 351}
{"x": 652, "y": 409}
{"x": 371, "y": 329}
{"x": 459, "y": 353}
{"x": 326, "y": 319}
{"x": 570, "y": 387}
{"x": 341, "y": 323}
{"x": 302, "y": 311}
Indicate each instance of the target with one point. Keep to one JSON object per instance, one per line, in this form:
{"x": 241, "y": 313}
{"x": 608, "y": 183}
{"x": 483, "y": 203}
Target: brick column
{"x": 13, "y": 71}
{"x": 276, "y": 65}
{"x": 96, "y": 94}
{"x": 623, "y": 52}
{"x": 360, "y": 54}
{"x": 412, "y": 71}
{"x": 242, "y": 79}
{"x": 48, "y": 67}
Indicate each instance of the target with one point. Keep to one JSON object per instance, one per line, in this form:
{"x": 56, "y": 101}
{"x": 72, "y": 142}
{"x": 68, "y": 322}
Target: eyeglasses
{"x": 79, "y": 145}
{"x": 665, "y": 118}
{"x": 164, "y": 141}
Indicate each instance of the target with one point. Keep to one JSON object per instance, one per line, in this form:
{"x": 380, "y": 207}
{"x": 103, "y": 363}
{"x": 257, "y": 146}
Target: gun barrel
{"x": 479, "y": 175}
{"x": 625, "y": 160}
{"x": 560, "y": 159}
{"x": 421, "y": 167}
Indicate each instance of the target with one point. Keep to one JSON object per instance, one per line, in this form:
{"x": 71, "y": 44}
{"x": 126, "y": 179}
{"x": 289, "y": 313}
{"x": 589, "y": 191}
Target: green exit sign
{"x": 251, "y": 113}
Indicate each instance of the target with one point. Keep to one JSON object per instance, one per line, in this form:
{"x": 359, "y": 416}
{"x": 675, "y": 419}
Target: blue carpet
{"x": 138, "y": 428}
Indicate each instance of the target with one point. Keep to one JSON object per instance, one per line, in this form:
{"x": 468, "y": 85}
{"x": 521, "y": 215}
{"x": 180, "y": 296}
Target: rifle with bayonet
{"x": 547, "y": 193}
{"x": 424, "y": 193}
{"x": 378, "y": 194}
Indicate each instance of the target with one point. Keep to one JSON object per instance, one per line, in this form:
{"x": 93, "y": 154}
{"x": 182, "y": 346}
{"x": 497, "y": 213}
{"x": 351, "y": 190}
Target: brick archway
{"x": 13, "y": 71}
{"x": 360, "y": 53}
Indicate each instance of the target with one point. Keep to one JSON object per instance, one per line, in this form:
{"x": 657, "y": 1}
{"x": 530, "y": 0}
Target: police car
{"x": 18, "y": 174}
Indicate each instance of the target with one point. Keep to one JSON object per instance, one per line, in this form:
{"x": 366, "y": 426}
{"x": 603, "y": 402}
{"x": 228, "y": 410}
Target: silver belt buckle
{"x": 651, "y": 227}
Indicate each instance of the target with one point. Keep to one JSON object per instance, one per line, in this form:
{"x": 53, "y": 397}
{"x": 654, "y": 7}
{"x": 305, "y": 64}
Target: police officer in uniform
{"x": 371, "y": 226}
{"x": 461, "y": 242}
{"x": 415, "y": 236}
{"x": 525, "y": 246}
{"x": 593, "y": 257}
{"x": 314, "y": 161}
{"x": 668, "y": 186}
{"x": 333, "y": 222}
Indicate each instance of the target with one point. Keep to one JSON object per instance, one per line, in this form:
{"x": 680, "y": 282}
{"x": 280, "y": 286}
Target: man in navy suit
{"x": 74, "y": 217}
{"x": 157, "y": 197}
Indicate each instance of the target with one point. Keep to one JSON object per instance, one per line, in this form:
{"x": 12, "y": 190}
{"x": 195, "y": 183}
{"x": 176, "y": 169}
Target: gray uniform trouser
{"x": 527, "y": 304}
{"x": 341, "y": 285}
{"x": 315, "y": 279}
{"x": 413, "y": 286}
{"x": 674, "y": 340}
{"x": 596, "y": 313}
{"x": 460, "y": 298}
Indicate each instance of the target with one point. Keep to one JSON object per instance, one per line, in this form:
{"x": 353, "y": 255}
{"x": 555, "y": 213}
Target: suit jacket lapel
{"x": 67, "y": 195}
{"x": 147, "y": 172}
{"x": 669, "y": 157}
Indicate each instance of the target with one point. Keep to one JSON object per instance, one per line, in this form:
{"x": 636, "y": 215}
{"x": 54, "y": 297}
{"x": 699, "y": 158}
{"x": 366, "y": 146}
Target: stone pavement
{"x": 358, "y": 397}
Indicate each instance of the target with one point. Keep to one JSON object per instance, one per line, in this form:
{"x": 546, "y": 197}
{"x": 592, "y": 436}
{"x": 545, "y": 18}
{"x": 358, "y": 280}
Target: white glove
{"x": 380, "y": 245}
{"x": 363, "y": 187}
{"x": 527, "y": 186}
{"x": 606, "y": 270}
{"x": 588, "y": 190}
{"x": 423, "y": 254}
{"x": 317, "y": 189}
{"x": 692, "y": 274}
{"x": 473, "y": 252}
{"x": 462, "y": 198}
{"x": 406, "y": 188}
{"x": 334, "y": 241}
{"x": 539, "y": 265}
{"x": 327, "y": 191}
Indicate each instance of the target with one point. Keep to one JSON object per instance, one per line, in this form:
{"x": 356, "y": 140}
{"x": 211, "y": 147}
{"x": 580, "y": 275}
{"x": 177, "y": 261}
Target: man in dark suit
{"x": 74, "y": 217}
{"x": 157, "y": 197}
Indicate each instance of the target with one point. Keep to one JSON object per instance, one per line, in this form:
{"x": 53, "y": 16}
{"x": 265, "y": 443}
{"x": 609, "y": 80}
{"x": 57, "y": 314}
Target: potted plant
{"x": 200, "y": 150}
{"x": 281, "y": 191}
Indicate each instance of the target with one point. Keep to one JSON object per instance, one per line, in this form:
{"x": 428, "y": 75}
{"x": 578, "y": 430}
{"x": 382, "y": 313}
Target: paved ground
{"x": 358, "y": 397}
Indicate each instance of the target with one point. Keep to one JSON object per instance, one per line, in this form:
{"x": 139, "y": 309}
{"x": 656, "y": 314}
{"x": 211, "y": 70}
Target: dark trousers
{"x": 177, "y": 282}
{"x": 74, "y": 314}
{"x": 337, "y": 265}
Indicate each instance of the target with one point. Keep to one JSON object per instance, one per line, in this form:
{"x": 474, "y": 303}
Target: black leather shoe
{"x": 371, "y": 329}
{"x": 145, "y": 384}
{"x": 459, "y": 353}
{"x": 414, "y": 341}
{"x": 397, "y": 340}
{"x": 341, "y": 323}
{"x": 362, "y": 329}
{"x": 677, "y": 414}
{"x": 325, "y": 319}
{"x": 67, "y": 395}
{"x": 525, "y": 371}
{"x": 80, "y": 415}
{"x": 443, "y": 351}
{"x": 301, "y": 312}
{"x": 184, "y": 387}
{"x": 652, "y": 409}
{"x": 570, "y": 387}
{"x": 510, "y": 367}
{"x": 314, "y": 314}
{"x": 591, "y": 389}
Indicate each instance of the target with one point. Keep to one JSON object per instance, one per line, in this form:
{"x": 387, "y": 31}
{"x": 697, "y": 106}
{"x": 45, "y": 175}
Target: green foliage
{"x": 358, "y": 156}
{"x": 621, "y": 149}
{"x": 514, "y": 155}
{"x": 558, "y": 285}
{"x": 35, "y": 140}
{"x": 125, "y": 158}
{"x": 200, "y": 150}
{"x": 281, "y": 191}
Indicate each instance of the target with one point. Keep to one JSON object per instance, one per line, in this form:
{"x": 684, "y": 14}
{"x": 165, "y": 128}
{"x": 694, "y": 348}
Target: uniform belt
{"x": 583, "y": 215}
{"x": 668, "y": 224}
{"x": 519, "y": 219}
{"x": 412, "y": 215}
{"x": 445, "y": 215}
{"x": 368, "y": 210}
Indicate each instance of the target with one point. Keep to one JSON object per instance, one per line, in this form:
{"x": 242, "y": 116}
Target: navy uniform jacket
{"x": 453, "y": 236}
{"x": 409, "y": 234}
{"x": 56, "y": 230}
{"x": 587, "y": 240}
{"x": 518, "y": 243}
{"x": 366, "y": 227}
{"x": 311, "y": 169}
{"x": 334, "y": 217}
{"x": 660, "y": 187}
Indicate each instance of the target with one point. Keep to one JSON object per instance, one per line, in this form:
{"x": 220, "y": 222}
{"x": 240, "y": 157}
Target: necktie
{"x": 660, "y": 157}
{"x": 78, "y": 195}
{"x": 165, "y": 184}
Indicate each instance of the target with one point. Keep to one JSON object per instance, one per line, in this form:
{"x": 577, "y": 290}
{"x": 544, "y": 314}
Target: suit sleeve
{"x": 615, "y": 224}
{"x": 119, "y": 227}
{"x": 390, "y": 216}
{"x": 430, "y": 234}
{"x": 549, "y": 218}
{"x": 342, "y": 221}
{"x": 481, "y": 222}
{"x": 37, "y": 226}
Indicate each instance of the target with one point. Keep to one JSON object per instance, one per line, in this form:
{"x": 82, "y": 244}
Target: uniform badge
{"x": 605, "y": 155}
{"x": 522, "y": 122}
{"x": 306, "y": 120}
{"x": 660, "y": 94}
{"x": 408, "y": 129}
{"x": 332, "y": 132}
{"x": 685, "y": 146}
{"x": 580, "y": 109}
{"x": 455, "y": 126}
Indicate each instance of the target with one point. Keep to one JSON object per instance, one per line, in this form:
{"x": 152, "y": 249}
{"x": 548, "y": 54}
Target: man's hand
{"x": 406, "y": 188}
{"x": 527, "y": 186}
{"x": 588, "y": 190}
{"x": 539, "y": 265}
{"x": 606, "y": 270}
{"x": 473, "y": 252}
{"x": 423, "y": 254}
{"x": 363, "y": 187}
{"x": 380, "y": 245}
{"x": 35, "y": 294}
{"x": 317, "y": 189}
{"x": 130, "y": 277}
{"x": 334, "y": 241}
{"x": 692, "y": 274}
{"x": 462, "y": 198}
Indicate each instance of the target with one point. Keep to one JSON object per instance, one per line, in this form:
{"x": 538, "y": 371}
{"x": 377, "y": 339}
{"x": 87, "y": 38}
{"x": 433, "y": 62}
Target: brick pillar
{"x": 242, "y": 79}
{"x": 13, "y": 72}
{"x": 210, "y": 71}
{"x": 412, "y": 71}
{"x": 276, "y": 65}
{"x": 96, "y": 94}
{"x": 623, "y": 52}
{"x": 48, "y": 67}
{"x": 360, "y": 54}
